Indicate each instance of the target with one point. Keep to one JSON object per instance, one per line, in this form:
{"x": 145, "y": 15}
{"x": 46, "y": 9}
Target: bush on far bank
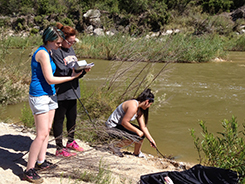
{"x": 133, "y": 17}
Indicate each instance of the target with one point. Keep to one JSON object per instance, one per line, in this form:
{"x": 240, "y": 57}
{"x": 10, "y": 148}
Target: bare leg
{"x": 122, "y": 143}
{"x": 115, "y": 147}
{"x": 126, "y": 142}
{"x": 137, "y": 147}
{"x": 42, "y": 153}
{"x": 42, "y": 132}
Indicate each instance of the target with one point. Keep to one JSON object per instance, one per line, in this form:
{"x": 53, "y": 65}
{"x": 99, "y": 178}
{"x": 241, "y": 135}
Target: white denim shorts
{"x": 43, "y": 104}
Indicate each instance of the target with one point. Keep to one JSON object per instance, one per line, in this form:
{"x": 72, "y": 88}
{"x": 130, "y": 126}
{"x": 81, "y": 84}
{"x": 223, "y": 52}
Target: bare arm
{"x": 130, "y": 108}
{"x": 43, "y": 58}
{"x": 145, "y": 130}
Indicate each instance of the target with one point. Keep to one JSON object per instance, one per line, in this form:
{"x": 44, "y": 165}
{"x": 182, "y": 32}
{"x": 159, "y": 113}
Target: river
{"x": 208, "y": 91}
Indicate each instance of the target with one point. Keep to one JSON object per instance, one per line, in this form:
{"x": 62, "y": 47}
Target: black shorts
{"x": 120, "y": 127}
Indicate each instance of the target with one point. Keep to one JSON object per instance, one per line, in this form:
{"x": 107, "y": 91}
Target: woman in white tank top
{"x": 129, "y": 110}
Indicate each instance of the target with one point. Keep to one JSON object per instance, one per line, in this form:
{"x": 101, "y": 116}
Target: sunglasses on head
{"x": 151, "y": 100}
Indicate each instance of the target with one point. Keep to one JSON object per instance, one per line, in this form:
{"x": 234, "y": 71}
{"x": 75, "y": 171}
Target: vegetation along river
{"x": 208, "y": 91}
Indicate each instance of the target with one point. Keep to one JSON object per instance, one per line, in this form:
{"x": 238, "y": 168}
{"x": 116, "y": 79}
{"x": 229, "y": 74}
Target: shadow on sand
{"x": 12, "y": 150}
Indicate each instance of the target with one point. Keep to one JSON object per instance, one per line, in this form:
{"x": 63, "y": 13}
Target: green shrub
{"x": 20, "y": 24}
{"x": 235, "y": 43}
{"x": 26, "y": 10}
{"x": 216, "y": 6}
{"x": 12, "y": 91}
{"x": 15, "y": 78}
{"x": 38, "y": 19}
{"x": 67, "y": 21}
{"x": 226, "y": 150}
{"x": 2, "y": 22}
{"x": 34, "y": 31}
{"x": 145, "y": 15}
{"x": 27, "y": 117}
{"x": 222, "y": 25}
{"x": 19, "y": 27}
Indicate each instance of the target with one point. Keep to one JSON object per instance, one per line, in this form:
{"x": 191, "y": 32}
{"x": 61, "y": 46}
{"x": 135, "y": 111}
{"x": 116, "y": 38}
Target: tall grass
{"x": 27, "y": 117}
{"x": 102, "y": 176}
{"x": 125, "y": 80}
{"x": 15, "y": 70}
{"x": 235, "y": 43}
{"x": 174, "y": 48}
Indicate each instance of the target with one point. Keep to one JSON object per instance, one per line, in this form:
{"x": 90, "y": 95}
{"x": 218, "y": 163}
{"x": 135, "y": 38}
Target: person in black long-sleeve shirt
{"x": 65, "y": 59}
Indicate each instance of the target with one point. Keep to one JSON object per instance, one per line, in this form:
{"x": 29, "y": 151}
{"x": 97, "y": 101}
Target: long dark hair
{"x": 145, "y": 95}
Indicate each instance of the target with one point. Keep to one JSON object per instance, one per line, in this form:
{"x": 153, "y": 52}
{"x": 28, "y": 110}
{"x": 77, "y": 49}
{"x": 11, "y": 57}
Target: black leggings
{"x": 66, "y": 108}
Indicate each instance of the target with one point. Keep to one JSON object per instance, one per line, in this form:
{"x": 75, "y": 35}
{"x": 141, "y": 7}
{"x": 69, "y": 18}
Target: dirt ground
{"x": 16, "y": 140}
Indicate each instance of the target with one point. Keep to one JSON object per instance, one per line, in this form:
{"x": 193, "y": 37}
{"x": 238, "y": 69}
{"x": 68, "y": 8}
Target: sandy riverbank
{"x": 15, "y": 141}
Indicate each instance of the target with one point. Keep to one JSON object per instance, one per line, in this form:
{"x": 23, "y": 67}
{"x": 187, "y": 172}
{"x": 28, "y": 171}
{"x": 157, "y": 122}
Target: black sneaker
{"x": 32, "y": 176}
{"x": 46, "y": 165}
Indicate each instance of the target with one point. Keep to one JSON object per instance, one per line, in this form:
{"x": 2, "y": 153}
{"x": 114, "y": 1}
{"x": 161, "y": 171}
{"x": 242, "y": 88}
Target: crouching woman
{"x": 128, "y": 111}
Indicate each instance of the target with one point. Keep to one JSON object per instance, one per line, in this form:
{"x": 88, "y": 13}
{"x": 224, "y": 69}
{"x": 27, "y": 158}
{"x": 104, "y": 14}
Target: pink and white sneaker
{"x": 74, "y": 146}
{"x": 64, "y": 153}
